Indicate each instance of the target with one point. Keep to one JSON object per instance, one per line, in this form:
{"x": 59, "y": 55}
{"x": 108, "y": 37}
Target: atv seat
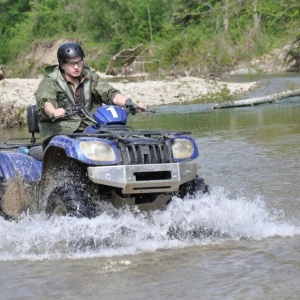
{"x": 33, "y": 127}
{"x": 32, "y": 121}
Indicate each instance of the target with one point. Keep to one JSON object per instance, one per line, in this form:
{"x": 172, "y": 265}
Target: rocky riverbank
{"x": 17, "y": 94}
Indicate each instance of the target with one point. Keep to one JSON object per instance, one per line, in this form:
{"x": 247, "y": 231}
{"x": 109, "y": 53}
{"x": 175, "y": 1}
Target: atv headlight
{"x": 97, "y": 150}
{"x": 182, "y": 148}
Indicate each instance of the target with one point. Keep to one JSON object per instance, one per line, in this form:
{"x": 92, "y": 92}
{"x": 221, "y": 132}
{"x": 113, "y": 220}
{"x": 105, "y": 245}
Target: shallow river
{"x": 241, "y": 241}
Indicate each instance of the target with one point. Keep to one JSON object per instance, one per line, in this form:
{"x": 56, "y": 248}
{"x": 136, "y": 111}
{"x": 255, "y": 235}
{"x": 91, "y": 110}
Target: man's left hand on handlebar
{"x": 120, "y": 100}
{"x": 142, "y": 106}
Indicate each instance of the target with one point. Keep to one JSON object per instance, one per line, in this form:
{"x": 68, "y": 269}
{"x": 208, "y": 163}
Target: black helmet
{"x": 69, "y": 50}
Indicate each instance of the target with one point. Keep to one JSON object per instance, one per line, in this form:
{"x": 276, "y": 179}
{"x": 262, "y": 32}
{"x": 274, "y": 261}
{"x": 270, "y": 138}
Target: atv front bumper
{"x": 137, "y": 179}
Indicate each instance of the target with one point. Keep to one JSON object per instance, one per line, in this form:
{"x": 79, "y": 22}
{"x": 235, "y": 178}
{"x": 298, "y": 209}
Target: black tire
{"x": 68, "y": 200}
{"x": 192, "y": 187}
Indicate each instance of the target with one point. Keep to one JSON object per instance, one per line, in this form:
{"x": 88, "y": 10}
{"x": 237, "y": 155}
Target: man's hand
{"x": 122, "y": 101}
{"x": 53, "y": 112}
{"x": 142, "y": 106}
{"x": 58, "y": 113}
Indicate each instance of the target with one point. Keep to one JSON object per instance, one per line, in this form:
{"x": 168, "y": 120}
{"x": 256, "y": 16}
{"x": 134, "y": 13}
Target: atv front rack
{"x": 123, "y": 134}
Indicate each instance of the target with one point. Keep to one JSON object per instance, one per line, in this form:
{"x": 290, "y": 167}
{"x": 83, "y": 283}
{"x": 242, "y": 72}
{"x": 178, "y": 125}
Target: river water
{"x": 239, "y": 242}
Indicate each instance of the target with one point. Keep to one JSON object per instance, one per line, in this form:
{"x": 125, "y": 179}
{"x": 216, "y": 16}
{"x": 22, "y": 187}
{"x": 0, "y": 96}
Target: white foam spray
{"x": 202, "y": 220}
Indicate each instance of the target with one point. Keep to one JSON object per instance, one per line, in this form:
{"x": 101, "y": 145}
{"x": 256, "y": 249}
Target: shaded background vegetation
{"x": 193, "y": 35}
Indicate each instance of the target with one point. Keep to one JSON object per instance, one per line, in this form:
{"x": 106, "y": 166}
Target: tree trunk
{"x": 226, "y": 17}
{"x": 255, "y": 13}
{"x": 260, "y": 100}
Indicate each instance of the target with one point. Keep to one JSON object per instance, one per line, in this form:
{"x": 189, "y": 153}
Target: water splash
{"x": 202, "y": 220}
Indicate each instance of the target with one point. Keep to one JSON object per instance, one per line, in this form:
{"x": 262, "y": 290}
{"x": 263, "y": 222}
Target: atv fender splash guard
{"x": 13, "y": 164}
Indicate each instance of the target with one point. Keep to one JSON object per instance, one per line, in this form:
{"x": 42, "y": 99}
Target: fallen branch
{"x": 126, "y": 52}
{"x": 260, "y": 100}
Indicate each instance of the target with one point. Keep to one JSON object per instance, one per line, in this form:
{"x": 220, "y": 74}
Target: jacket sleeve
{"x": 103, "y": 91}
{"x": 46, "y": 92}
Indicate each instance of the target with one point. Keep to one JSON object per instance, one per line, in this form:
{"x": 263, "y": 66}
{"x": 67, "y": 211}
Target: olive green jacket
{"x": 54, "y": 88}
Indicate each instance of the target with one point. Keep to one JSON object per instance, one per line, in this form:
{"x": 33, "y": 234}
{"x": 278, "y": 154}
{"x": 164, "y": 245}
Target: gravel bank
{"x": 185, "y": 89}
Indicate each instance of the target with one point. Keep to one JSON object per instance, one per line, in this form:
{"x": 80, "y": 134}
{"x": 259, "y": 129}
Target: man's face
{"x": 73, "y": 66}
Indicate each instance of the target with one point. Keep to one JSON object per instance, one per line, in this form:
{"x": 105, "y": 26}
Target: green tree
{"x": 208, "y": 35}
{"x": 11, "y": 13}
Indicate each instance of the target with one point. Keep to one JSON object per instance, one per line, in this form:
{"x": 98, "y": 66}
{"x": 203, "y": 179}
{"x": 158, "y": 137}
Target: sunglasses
{"x": 79, "y": 63}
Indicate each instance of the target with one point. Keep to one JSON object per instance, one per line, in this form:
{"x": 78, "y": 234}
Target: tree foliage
{"x": 209, "y": 35}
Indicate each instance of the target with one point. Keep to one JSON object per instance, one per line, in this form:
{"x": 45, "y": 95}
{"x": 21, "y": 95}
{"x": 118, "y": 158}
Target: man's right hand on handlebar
{"x": 57, "y": 113}
{"x": 53, "y": 112}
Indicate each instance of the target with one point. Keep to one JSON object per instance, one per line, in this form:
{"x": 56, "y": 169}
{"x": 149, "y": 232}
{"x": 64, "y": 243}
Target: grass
{"x": 12, "y": 116}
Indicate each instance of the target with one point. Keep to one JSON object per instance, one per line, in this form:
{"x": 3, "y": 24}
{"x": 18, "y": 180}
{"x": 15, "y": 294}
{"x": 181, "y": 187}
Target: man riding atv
{"x": 68, "y": 83}
{"x": 90, "y": 156}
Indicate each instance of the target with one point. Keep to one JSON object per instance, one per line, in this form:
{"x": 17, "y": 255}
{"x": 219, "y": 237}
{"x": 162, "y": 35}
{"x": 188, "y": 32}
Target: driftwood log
{"x": 260, "y": 100}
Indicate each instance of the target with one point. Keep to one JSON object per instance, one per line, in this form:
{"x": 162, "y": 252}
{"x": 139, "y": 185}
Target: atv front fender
{"x": 71, "y": 148}
{"x": 13, "y": 165}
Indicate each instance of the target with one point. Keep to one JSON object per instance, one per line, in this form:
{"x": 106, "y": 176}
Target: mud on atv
{"x": 109, "y": 161}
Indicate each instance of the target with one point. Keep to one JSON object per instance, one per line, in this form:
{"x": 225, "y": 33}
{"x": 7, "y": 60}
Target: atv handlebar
{"x": 82, "y": 111}
{"x": 76, "y": 109}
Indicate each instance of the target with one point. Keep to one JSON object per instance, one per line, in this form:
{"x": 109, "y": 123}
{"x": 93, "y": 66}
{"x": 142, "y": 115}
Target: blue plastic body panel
{"x": 110, "y": 114}
{"x": 13, "y": 164}
{"x": 91, "y": 129}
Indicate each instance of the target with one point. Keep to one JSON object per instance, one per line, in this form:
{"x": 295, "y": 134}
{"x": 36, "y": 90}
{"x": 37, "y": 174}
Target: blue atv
{"x": 107, "y": 162}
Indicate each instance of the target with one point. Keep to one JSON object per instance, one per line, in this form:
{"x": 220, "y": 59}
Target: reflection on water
{"x": 201, "y": 120}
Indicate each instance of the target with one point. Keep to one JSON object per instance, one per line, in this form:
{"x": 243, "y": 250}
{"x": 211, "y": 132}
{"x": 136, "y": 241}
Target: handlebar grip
{"x": 131, "y": 107}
